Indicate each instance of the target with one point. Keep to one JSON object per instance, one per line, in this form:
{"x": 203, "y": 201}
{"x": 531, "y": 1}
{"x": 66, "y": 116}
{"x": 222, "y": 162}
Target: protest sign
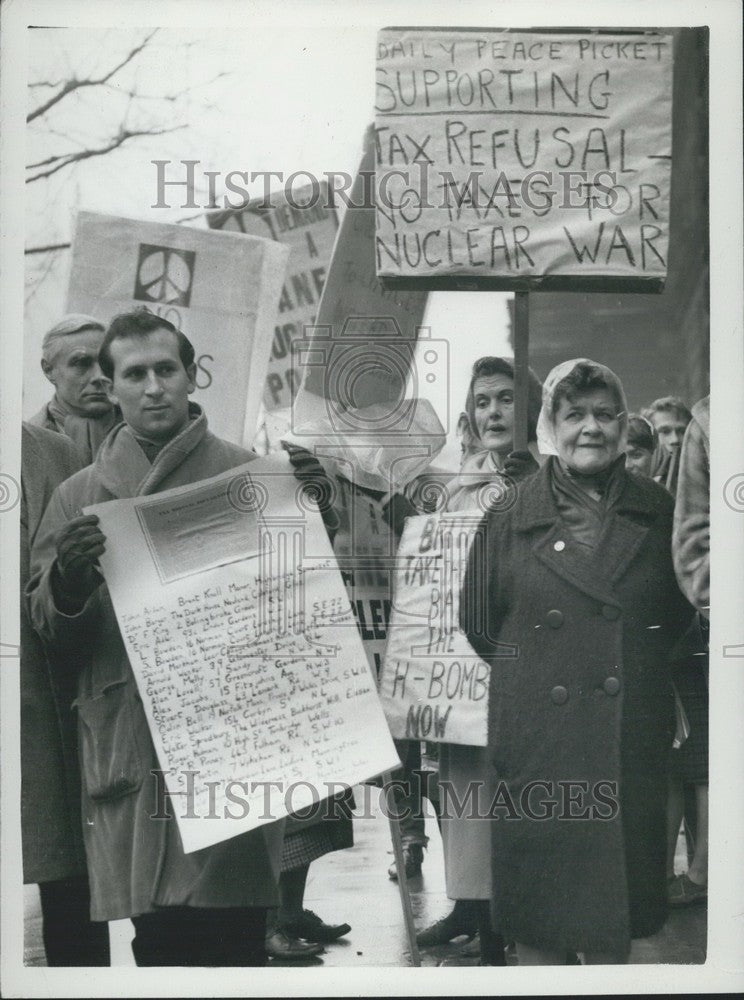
{"x": 530, "y": 159}
{"x": 433, "y": 685}
{"x": 306, "y": 222}
{"x": 361, "y": 350}
{"x": 244, "y": 647}
{"x": 221, "y": 290}
{"x": 364, "y": 547}
{"x": 351, "y": 406}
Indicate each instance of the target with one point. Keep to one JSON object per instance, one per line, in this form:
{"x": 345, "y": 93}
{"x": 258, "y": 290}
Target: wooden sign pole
{"x": 521, "y": 368}
{"x": 405, "y": 898}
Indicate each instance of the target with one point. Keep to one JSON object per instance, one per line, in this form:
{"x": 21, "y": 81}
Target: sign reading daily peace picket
{"x": 524, "y": 159}
{"x": 220, "y": 289}
{"x": 306, "y": 222}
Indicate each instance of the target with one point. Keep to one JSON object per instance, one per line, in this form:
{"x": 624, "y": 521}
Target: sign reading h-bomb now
{"x": 433, "y": 685}
{"x": 221, "y": 290}
{"x": 528, "y": 158}
{"x": 305, "y": 222}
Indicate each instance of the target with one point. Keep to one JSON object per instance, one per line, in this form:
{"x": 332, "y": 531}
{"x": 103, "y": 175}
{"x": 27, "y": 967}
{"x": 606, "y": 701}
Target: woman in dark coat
{"x": 580, "y": 610}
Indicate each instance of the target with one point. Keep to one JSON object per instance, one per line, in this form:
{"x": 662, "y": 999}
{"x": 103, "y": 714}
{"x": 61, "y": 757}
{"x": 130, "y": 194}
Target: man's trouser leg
{"x": 409, "y": 804}
{"x": 193, "y": 936}
{"x": 70, "y": 936}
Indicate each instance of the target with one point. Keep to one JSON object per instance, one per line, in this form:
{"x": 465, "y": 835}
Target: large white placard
{"x": 523, "y": 155}
{"x": 221, "y": 289}
{"x": 433, "y": 685}
{"x": 306, "y": 222}
{"x": 245, "y": 649}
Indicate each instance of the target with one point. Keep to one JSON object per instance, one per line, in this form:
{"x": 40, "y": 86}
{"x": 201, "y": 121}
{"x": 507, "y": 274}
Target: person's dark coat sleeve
{"x": 479, "y": 617}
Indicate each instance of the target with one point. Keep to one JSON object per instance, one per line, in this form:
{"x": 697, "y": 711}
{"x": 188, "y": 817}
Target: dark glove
{"x": 519, "y": 465}
{"x": 317, "y": 484}
{"x": 396, "y": 510}
{"x": 79, "y": 544}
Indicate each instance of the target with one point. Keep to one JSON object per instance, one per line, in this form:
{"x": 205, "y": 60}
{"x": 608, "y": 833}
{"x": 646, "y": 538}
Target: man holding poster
{"x": 205, "y": 908}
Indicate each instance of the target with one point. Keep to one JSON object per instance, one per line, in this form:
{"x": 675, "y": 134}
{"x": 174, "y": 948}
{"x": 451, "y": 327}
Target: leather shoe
{"x": 472, "y": 949}
{"x": 283, "y": 945}
{"x": 413, "y": 855}
{"x": 681, "y": 891}
{"x": 444, "y": 930}
{"x": 312, "y": 928}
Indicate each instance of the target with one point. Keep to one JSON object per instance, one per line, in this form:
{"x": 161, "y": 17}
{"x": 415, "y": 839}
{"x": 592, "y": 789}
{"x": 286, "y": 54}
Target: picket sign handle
{"x": 521, "y": 369}
{"x": 400, "y": 864}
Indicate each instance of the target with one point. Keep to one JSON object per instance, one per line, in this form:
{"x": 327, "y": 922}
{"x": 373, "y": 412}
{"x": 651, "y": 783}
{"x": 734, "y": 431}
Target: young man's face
{"x": 75, "y": 375}
{"x": 151, "y": 385}
{"x": 670, "y": 427}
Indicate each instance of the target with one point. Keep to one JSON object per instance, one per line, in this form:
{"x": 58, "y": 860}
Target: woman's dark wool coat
{"x": 580, "y": 694}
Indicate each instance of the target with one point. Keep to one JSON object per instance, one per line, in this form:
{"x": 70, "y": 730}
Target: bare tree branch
{"x": 49, "y": 248}
{"x": 74, "y": 84}
{"x": 85, "y": 154}
{"x": 169, "y": 97}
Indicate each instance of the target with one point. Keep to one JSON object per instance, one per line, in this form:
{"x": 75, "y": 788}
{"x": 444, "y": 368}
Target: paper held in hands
{"x": 245, "y": 649}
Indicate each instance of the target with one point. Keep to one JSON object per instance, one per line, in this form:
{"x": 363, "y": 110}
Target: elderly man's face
{"x": 75, "y": 374}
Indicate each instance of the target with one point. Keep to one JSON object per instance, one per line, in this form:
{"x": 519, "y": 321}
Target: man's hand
{"x": 317, "y": 482}
{"x": 79, "y": 544}
{"x": 519, "y": 465}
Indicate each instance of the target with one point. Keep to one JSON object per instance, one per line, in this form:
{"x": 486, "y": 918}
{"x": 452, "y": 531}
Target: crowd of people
{"x": 597, "y": 572}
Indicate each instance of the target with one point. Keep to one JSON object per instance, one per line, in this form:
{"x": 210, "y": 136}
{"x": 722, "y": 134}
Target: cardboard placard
{"x": 523, "y": 159}
{"x": 304, "y": 221}
{"x": 220, "y": 289}
{"x": 433, "y": 685}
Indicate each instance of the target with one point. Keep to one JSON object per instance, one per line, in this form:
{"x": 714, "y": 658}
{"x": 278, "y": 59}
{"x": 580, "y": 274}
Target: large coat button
{"x": 611, "y": 685}
{"x": 554, "y": 618}
{"x": 559, "y": 695}
{"x": 610, "y": 613}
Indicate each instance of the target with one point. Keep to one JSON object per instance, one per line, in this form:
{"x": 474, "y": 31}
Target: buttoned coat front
{"x": 136, "y": 862}
{"x": 580, "y": 714}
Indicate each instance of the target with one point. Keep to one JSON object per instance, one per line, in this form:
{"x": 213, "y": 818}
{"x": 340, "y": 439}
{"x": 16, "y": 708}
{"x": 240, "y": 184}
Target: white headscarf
{"x": 546, "y": 437}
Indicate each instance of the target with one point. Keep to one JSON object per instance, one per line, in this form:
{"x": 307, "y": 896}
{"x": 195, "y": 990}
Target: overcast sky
{"x": 287, "y": 98}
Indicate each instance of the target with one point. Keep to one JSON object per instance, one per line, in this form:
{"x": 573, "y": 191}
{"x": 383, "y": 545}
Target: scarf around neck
{"x": 582, "y": 513}
{"x": 86, "y": 433}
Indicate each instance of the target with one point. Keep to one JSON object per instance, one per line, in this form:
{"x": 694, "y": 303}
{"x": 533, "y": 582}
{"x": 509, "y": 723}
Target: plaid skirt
{"x": 309, "y": 839}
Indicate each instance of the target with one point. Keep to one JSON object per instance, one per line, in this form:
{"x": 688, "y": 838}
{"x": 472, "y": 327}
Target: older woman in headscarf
{"x": 580, "y": 586}
{"x": 489, "y": 469}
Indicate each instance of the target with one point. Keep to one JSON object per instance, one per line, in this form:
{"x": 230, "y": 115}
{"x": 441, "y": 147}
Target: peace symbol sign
{"x": 164, "y": 274}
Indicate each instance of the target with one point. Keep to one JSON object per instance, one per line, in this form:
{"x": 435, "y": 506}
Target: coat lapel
{"x": 622, "y": 537}
{"x": 619, "y": 542}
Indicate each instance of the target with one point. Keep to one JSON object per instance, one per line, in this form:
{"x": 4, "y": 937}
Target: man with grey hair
{"x": 80, "y": 407}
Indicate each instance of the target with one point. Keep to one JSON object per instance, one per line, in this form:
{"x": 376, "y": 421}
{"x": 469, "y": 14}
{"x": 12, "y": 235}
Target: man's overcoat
{"x": 136, "y": 863}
